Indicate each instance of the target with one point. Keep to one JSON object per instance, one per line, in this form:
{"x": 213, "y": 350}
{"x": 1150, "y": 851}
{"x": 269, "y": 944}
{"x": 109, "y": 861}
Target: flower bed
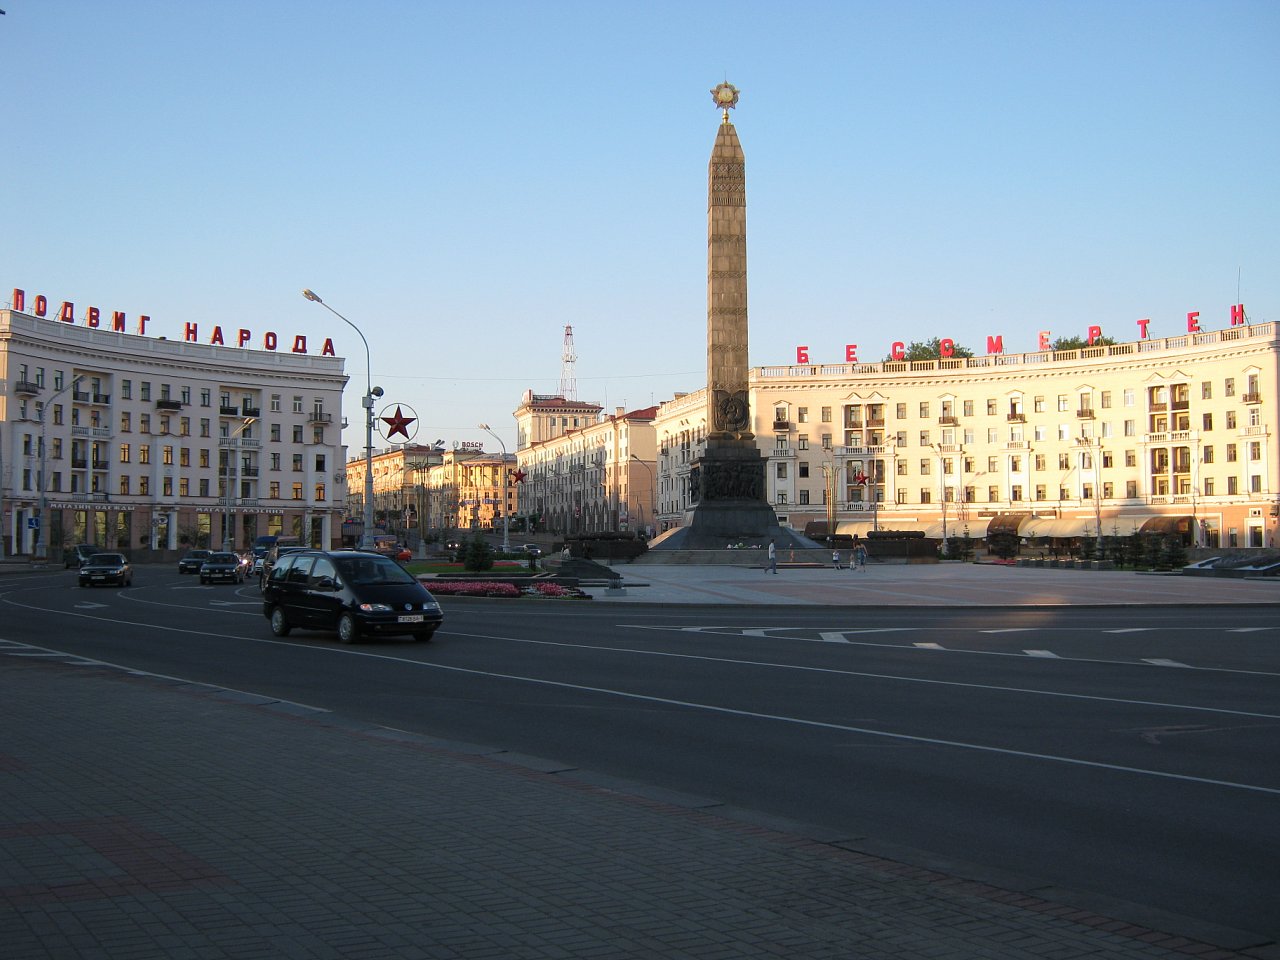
{"x": 482, "y": 588}
{"x": 471, "y": 588}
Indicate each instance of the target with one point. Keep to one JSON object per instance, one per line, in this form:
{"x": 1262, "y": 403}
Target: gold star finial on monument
{"x": 725, "y": 96}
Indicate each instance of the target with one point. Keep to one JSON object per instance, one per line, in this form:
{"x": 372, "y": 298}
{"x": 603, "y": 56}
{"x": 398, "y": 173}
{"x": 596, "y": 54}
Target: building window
{"x": 993, "y": 407}
{"x": 1229, "y": 387}
{"x": 184, "y": 487}
{"x": 297, "y": 408}
{"x": 782, "y": 471}
{"x": 1041, "y": 492}
{"x": 1208, "y": 455}
{"x": 802, "y": 415}
{"x": 275, "y": 461}
{"x": 804, "y": 496}
{"x": 1130, "y": 397}
{"x": 274, "y": 490}
{"x": 144, "y": 486}
{"x": 900, "y": 411}
{"x": 1233, "y": 486}
{"x": 297, "y": 463}
{"x": 297, "y": 434}
{"x": 826, "y": 441}
{"x": 320, "y": 493}
{"x": 967, "y": 407}
{"x": 124, "y": 453}
{"x": 826, "y": 414}
{"x": 297, "y": 491}
{"x": 924, "y": 410}
{"x": 1231, "y": 453}
{"x": 167, "y": 455}
{"x": 275, "y": 433}
{"x": 924, "y": 468}
{"x": 204, "y": 457}
{"x": 802, "y": 443}
{"x": 1208, "y": 486}
{"x": 1206, "y": 391}
{"x": 144, "y": 453}
{"x": 782, "y": 496}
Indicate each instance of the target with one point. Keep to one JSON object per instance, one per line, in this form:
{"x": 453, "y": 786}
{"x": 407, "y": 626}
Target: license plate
{"x": 411, "y": 618}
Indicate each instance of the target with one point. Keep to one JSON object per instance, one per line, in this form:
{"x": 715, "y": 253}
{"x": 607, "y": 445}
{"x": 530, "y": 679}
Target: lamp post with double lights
{"x": 367, "y": 401}
{"x": 42, "y": 545}
{"x": 506, "y": 535}
{"x": 229, "y": 513}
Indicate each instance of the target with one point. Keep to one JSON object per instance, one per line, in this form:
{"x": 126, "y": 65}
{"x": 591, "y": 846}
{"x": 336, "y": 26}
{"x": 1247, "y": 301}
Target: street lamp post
{"x": 42, "y": 546}
{"x": 506, "y": 535}
{"x": 229, "y": 514}
{"x": 371, "y": 394}
{"x": 653, "y": 494}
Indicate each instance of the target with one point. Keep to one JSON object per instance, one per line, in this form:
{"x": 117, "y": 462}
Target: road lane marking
{"x": 1010, "y": 630}
{"x": 1131, "y": 630}
{"x": 929, "y": 646}
{"x": 1161, "y": 662}
{"x": 1042, "y": 653}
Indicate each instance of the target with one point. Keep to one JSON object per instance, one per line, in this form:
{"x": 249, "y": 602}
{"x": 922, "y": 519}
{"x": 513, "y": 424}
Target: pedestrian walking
{"x": 835, "y": 559}
{"x": 773, "y": 560}
{"x": 860, "y": 557}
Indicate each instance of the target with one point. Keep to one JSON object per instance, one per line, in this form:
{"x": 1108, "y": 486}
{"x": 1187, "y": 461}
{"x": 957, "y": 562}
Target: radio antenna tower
{"x": 568, "y": 380}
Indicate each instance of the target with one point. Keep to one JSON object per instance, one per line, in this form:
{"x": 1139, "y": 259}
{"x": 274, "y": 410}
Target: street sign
{"x": 33, "y": 523}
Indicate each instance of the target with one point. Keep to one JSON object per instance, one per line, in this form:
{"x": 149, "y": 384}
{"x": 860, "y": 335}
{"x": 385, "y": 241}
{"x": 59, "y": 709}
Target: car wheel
{"x": 280, "y": 625}
{"x": 348, "y": 629}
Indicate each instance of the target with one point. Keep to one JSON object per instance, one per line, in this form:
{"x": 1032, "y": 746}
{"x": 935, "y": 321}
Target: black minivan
{"x": 352, "y": 591}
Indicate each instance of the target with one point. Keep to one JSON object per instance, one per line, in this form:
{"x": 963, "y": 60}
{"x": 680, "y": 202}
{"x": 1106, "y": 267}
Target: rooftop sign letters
{"x": 119, "y": 323}
{"x": 995, "y": 344}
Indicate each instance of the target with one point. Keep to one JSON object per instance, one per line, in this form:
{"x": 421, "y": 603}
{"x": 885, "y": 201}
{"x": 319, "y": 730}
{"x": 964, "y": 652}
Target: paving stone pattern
{"x": 143, "y": 818}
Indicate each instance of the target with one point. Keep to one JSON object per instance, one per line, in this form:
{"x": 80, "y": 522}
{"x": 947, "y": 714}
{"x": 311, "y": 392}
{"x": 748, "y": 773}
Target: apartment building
{"x": 136, "y": 442}
{"x": 1172, "y": 434}
{"x": 585, "y": 472}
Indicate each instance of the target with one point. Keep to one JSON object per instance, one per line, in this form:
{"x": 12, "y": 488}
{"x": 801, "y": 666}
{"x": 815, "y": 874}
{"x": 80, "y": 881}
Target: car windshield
{"x": 368, "y": 569}
{"x": 105, "y": 560}
{"x": 223, "y": 558}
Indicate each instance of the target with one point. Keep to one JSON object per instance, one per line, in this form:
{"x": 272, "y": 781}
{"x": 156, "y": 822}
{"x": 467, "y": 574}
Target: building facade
{"x": 139, "y": 442}
{"x": 584, "y": 472}
{"x": 1173, "y": 434}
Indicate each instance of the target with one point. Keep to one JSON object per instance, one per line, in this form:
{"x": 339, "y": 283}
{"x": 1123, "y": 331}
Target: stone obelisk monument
{"x": 728, "y": 489}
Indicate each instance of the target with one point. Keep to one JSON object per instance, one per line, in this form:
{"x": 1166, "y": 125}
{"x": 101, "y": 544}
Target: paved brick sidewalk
{"x": 144, "y": 818}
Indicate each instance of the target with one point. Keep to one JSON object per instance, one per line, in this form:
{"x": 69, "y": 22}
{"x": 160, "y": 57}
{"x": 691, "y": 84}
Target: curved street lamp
{"x": 506, "y": 536}
{"x": 371, "y": 393}
{"x": 229, "y": 513}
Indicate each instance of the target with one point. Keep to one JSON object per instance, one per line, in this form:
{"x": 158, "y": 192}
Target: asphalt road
{"x": 1125, "y": 754}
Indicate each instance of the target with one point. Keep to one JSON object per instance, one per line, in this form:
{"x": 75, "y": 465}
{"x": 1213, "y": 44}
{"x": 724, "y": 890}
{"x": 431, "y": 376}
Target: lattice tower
{"x": 568, "y": 379}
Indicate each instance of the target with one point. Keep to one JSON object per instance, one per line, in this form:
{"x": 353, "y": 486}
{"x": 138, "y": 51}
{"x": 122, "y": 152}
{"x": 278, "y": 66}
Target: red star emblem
{"x": 398, "y": 423}
{"x": 517, "y": 476}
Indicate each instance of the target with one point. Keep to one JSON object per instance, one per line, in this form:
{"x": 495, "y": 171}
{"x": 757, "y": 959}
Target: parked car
{"x": 222, "y": 566}
{"x": 193, "y": 561}
{"x": 77, "y": 555}
{"x": 354, "y": 592}
{"x": 106, "y": 569}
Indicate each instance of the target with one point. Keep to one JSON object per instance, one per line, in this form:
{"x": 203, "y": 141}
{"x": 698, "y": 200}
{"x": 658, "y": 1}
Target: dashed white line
{"x": 1042, "y": 653}
{"x": 1161, "y": 662}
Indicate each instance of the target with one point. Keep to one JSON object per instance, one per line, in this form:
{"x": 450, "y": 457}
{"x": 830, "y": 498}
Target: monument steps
{"x": 746, "y": 557}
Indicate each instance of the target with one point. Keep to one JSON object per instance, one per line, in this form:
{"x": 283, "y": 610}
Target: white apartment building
{"x": 141, "y": 442}
{"x": 585, "y": 472}
{"x": 1174, "y": 434}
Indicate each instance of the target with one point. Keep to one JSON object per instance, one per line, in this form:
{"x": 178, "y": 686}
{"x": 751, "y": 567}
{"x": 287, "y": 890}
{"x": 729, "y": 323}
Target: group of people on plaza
{"x": 857, "y": 558}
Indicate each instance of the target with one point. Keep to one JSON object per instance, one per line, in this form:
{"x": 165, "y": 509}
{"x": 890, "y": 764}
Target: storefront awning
{"x": 1058, "y": 528}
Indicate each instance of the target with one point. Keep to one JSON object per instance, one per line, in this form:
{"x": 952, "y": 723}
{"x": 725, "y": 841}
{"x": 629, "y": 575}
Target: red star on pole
{"x": 517, "y": 475}
{"x": 398, "y": 423}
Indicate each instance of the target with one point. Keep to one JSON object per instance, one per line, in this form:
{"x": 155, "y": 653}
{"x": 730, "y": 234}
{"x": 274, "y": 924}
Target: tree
{"x": 1003, "y": 543}
{"x": 479, "y": 556}
{"x": 1079, "y": 343}
{"x": 931, "y": 350}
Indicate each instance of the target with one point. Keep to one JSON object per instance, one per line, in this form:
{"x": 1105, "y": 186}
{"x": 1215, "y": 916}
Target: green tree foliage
{"x": 931, "y": 350}
{"x": 1003, "y": 543}
{"x": 1079, "y": 343}
{"x": 478, "y": 556}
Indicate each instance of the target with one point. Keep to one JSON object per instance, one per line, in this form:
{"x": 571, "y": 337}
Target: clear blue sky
{"x": 463, "y": 179}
